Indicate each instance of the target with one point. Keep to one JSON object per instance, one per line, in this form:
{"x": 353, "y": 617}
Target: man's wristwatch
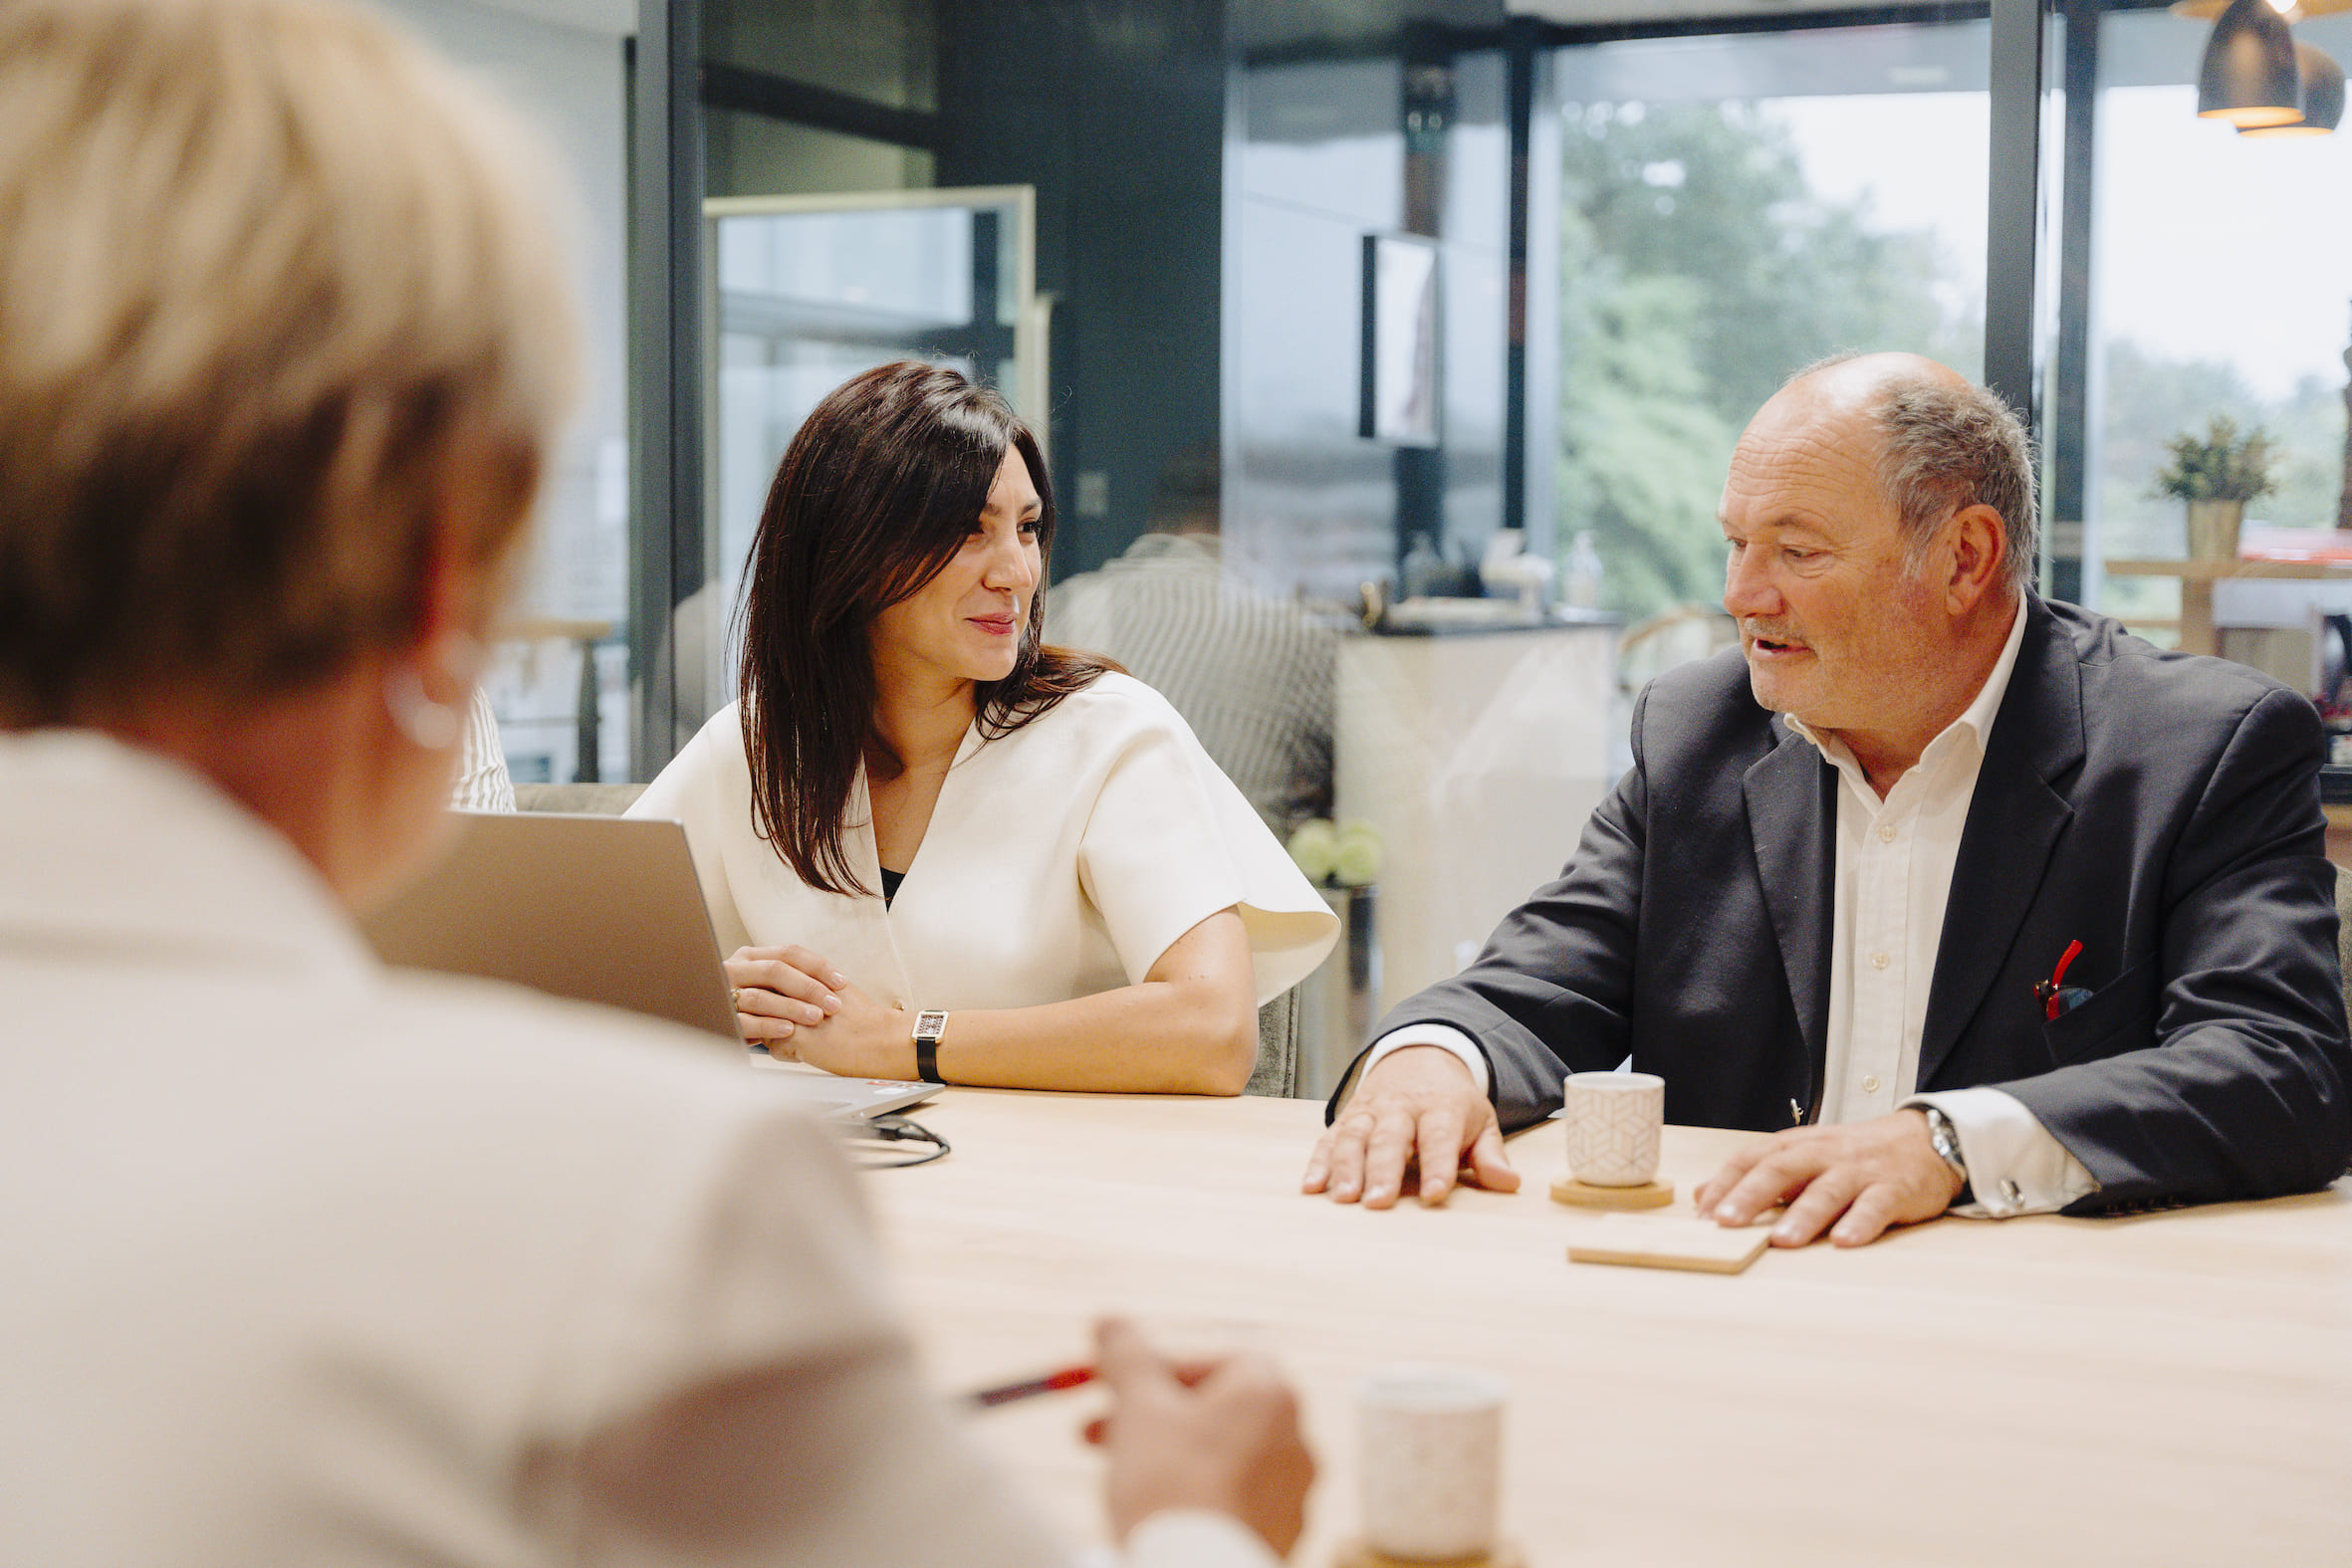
{"x": 1943, "y": 1138}
{"x": 929, "y": 1028}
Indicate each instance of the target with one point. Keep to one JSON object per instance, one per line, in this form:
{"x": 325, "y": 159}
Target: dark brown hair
{"x": 875, "y": 495}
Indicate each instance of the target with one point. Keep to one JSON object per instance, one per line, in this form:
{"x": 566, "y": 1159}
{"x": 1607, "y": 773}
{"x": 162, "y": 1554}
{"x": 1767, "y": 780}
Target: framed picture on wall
{"x": 1402, "y": 342}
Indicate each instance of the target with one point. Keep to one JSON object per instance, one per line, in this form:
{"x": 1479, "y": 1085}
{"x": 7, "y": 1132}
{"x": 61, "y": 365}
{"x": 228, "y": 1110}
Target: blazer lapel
{"x": 2015, "y": 820}
{"x": 1791, "y": 795}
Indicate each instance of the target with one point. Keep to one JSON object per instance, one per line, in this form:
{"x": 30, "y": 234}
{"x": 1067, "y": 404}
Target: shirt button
{"x": 1870, "y": 1084}
{"x": 1879, "y": 961}
{"x": 1886, "y": 832}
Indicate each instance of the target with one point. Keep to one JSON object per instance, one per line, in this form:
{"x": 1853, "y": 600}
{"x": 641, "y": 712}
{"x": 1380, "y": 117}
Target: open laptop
{"x": 601, "y": 909}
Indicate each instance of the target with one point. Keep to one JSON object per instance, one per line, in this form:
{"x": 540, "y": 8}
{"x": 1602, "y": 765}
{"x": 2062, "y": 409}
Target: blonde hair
{"x": 267, "y": 271}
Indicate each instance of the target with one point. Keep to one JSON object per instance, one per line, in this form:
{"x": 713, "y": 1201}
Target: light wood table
{"x": 2165, "y": 1389}
{"x": 2197, "y": 587}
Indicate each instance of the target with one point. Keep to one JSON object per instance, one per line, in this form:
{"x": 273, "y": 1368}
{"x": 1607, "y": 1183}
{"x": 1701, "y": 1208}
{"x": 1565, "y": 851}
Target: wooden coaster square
{"x": 1355, "y": 1554}
{"x": 1648, "y": 1195}
{"x": 1663, "y": 1241}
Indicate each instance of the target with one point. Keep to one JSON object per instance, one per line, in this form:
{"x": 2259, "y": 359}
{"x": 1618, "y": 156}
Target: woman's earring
{"x": 429, "y": 726}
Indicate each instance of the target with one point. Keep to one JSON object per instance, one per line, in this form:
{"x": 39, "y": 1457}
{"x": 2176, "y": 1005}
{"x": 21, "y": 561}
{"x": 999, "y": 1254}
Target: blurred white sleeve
{"x": 1195, "y": 1538}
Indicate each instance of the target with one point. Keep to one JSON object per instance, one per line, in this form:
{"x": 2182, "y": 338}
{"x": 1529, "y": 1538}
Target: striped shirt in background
{"x": 1252, "y": 674}
{"x": 482, "y": 780}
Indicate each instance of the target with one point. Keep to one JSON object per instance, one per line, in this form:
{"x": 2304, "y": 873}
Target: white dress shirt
{"x": 1893, "y": 879}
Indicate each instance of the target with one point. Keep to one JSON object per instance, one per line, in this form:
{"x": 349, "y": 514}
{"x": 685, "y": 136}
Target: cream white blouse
{"x": 324, "y": 1168}
{"x": 1061, "y": 861}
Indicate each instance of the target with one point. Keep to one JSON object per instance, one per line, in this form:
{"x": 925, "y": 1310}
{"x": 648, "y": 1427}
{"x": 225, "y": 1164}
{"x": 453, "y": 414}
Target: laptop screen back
{"x": 601, "y": 909}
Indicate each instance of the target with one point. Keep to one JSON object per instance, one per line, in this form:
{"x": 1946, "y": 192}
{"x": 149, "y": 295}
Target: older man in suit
{"x": 1965, "y": 897}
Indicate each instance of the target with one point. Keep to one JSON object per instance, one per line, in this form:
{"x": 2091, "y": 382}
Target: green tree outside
{"x": 1697, "y": 269}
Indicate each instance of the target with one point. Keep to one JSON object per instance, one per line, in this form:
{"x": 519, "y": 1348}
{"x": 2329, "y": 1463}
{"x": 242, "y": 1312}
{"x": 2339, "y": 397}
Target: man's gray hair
{"x": 1948, "y": 447}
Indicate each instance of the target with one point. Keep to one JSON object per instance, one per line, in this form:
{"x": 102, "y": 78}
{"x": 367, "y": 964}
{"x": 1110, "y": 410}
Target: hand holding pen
{"x": 1049, "y": 1383}
{"x": 1219, "y": 1434}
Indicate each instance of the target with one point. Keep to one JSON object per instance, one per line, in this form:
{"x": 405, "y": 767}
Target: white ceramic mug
{"x": 1613, "y": 1123}
{"x": 1430, "y": 1460}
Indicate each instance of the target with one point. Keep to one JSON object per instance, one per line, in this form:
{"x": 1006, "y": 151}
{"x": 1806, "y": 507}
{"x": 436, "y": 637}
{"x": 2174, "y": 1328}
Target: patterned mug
{"x": 1430, "y": 1460}
{"x": 1614, "y": 1121}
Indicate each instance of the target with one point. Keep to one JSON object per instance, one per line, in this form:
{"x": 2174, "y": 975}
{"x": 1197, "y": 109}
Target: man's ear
{"x": 1979, "y": 546}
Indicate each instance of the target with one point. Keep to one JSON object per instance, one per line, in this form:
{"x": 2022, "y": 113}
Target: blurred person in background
{"x": 483, "y": 782}
{"x": 1252, "y": 674}
{"x": 310, "y": 1263}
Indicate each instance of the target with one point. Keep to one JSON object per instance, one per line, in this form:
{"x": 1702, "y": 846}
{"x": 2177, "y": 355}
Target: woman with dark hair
{"x": 937, "y": 846}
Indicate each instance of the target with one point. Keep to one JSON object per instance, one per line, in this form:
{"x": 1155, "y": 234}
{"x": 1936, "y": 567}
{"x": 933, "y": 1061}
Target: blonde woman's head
{"x": 270, "y": 276}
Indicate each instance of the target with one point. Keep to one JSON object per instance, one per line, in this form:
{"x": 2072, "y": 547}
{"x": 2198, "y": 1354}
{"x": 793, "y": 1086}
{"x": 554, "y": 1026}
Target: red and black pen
{"x": 2058, "y": 997}
{"x": 1050, "y": 1383}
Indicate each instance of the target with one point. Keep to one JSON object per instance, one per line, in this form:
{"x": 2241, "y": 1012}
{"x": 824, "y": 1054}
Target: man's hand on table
{"x": 1863, "y": 1176}
{"x": 1221, "y": 1436}
{"x": 1416, "y": 1109}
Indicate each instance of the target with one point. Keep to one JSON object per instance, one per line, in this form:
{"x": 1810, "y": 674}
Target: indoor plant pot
{"x": 2212, "y": 528}
{"x": 2217, "y": 473}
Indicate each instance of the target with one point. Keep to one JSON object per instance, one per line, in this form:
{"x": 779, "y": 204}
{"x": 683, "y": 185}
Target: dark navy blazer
{"x": 2161, "y": 809}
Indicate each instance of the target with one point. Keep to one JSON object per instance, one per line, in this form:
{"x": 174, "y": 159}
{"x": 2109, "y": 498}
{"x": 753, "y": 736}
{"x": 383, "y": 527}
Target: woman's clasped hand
{"x": 801, "y": 1009}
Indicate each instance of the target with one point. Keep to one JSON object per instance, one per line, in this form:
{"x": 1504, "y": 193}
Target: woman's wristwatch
{"x": 929, "y": 1028}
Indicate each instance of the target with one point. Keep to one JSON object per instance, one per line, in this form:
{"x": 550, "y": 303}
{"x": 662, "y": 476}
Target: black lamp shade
{"x": 2323, "y": 97}
{"x": 2249, "y": 76}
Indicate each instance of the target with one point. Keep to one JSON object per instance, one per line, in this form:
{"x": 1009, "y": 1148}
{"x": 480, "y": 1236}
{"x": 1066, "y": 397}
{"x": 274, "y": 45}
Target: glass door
{"x": 803, "y": 292}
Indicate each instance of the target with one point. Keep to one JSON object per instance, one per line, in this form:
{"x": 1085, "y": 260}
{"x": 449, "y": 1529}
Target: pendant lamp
{"x": 2248, "y": 74}
{"x": 2323, "y": 97}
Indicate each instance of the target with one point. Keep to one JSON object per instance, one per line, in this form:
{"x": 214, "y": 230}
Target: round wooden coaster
{"x": 1650, "y": 1195}
{"x": 1355, "y": 1554}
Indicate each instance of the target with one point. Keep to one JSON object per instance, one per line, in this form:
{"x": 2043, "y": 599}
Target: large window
{"x": 1726, "y": 198}
{"x": 2220, "y": 284}
{"x": 1732, "y": 208}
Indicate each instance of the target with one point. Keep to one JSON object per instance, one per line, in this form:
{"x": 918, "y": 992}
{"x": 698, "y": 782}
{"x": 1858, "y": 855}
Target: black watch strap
{"x": 929, "y": 1028}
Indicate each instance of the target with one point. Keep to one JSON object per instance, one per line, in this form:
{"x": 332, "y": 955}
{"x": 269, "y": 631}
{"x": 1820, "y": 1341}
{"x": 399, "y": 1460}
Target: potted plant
{"x": 2217, "y": 473}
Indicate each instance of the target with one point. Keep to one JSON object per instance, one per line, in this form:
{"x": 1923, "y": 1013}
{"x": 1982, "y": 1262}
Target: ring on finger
{"x": 735, "y": 997}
